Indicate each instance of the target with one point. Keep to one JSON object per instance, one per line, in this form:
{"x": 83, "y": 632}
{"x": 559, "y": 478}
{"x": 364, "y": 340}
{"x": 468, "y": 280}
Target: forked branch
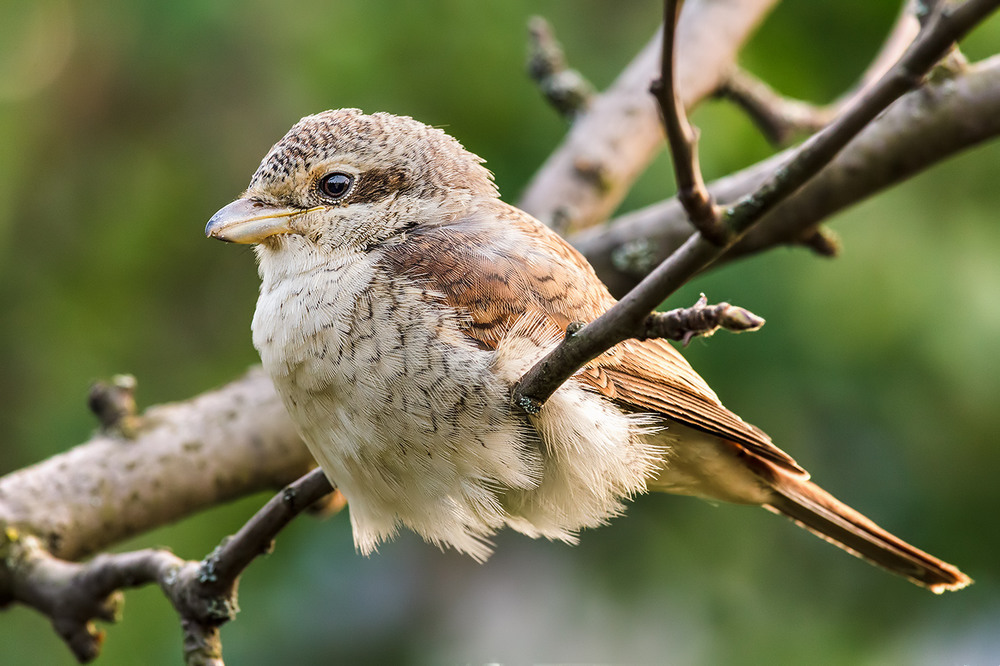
{"x": 624, "y": 320}
{"x": 74, "y": 595}
{"x": 926, "y": 126}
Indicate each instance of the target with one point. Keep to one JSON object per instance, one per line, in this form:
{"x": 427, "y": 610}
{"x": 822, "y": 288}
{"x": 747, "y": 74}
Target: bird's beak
{"x": 248, "y": 221}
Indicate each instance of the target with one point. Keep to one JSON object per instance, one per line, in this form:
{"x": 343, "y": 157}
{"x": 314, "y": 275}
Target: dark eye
{"x": 335, "y": 185}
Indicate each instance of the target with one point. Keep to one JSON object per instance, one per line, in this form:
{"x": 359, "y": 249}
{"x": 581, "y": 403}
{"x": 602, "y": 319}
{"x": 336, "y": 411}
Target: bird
{"x": 401, "y": 300}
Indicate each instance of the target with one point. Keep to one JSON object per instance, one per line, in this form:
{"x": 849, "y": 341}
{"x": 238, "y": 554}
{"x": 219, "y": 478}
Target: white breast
{"x": 412, "y": 421}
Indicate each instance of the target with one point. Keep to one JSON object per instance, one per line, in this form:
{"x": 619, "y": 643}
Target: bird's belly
{"x": 401, "y": 410}
{"x": 706, "y": 466}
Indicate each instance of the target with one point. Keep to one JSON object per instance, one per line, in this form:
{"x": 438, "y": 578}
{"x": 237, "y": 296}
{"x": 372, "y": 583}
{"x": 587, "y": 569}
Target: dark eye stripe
{"x": 377, "y": 184}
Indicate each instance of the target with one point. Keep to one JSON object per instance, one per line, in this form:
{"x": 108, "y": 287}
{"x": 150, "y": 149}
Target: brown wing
{"x": 498, "y": 264}
{"x": 650, "y": 375}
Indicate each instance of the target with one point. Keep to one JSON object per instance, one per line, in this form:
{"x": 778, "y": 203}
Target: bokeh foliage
{"x": 125, "y": 125}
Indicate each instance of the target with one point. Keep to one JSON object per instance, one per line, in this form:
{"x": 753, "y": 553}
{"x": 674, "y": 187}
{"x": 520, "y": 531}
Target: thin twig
{"x": 622, "y": 320}
{"x": 233, "y": 556}
{"x": 566, "y": 89}
{"x": 779, "y": 118}
{"x": 701, "y": 319}
{"x": 586, "y": 178}
{"x": 903, "y": 32}
{"x": 824, "y": 242}
{"x": 113, "y": 403}
{"x": 683, "y": 138}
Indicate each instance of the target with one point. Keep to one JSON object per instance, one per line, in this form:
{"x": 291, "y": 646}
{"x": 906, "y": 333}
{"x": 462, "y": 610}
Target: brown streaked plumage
{"x": 400, "y": 300}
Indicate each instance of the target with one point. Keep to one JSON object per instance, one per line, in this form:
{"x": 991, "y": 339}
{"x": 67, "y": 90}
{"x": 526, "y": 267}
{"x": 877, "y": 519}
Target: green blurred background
{"x": 124, "y": 125}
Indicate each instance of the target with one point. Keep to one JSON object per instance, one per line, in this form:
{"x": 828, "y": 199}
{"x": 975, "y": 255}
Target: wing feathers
{"x": 497, "y": 264}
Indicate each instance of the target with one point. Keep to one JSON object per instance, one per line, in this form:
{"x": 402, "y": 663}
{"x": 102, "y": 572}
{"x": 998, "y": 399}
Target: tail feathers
{"x": 819, "y": 512}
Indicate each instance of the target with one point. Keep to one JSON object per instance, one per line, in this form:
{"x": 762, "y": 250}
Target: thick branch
{"x": 611, "y": 144}
{"x": 621, "y": 321}
{"x": 923, "y": 128}
{"x": 184, "y": 458}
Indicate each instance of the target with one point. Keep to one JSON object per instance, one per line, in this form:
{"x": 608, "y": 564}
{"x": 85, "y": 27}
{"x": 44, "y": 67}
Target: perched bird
{"x": 400, "y": 301}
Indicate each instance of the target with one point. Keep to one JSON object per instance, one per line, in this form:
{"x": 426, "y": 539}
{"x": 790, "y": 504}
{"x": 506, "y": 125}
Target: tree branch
{"x": 566, "y": 89}
{"x": 903, "y": 32}
{"x": 934, "y": 41}
{"x": 611, "y": 144}
{"x": 184, "y": 458}
{"x": 622, "y": 321}
{"x": 113, "y": 403}
{"x": 921, "y": 129}
{"x": 226, "y": 563}
{"x": 780, "y": 118}
{"x": 701, "y": 319}
{"x": 74, "y": 595}
{"x": 682, "y": 138}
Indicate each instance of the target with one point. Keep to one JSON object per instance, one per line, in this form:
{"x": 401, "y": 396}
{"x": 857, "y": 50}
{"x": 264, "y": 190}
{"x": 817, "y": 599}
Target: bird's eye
{"x": 335, "y": 185}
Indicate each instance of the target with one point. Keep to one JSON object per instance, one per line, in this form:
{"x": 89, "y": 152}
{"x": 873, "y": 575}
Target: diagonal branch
{"x": 920, "y": 130}
{"x": 934, "y": 41}
{"x": 228, "y": 561}
{"x": 780, "y": 118}
{"x": 623, "y": 321}
{"x": 610, "y": 145}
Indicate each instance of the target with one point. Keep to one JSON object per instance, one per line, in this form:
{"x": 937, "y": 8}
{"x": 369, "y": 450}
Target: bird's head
{"x": 349, "y": 180}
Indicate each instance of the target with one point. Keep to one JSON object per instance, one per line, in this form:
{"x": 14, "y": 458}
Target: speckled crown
{"x": 432, "y": 159}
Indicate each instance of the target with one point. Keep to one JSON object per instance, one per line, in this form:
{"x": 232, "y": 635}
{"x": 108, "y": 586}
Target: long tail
{"x": 819, "y": 512}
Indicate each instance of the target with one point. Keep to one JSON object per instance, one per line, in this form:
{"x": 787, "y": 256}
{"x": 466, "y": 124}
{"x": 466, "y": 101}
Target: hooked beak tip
{"x": 248, "y": 222}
